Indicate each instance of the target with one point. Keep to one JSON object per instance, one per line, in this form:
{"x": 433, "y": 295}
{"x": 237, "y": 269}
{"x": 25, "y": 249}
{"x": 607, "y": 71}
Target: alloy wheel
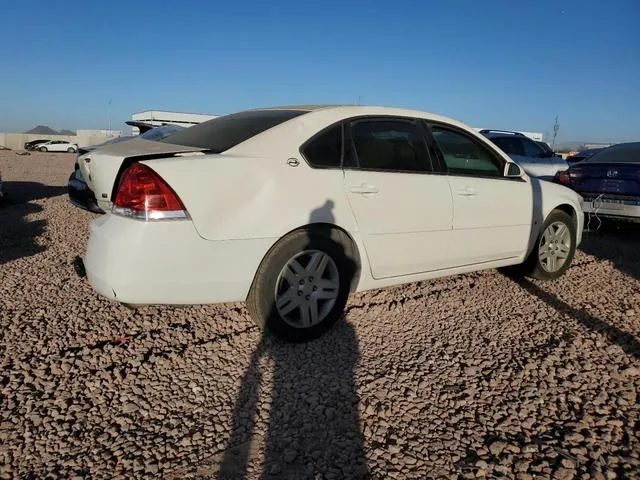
{"x": 307, "y": 289}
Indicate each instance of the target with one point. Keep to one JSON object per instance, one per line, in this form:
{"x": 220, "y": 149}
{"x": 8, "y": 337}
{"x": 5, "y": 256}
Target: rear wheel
{"x": 71, "y": 150}
{"x": 43, "y": 149}
{"x": 554, "y": 250}
{"x": 302, "y": 285}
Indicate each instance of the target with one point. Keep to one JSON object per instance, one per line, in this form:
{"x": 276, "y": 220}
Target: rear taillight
{"x": 569, "y": 177}
{"x": 144, "y": 195}
{"x": 563, "y": 177}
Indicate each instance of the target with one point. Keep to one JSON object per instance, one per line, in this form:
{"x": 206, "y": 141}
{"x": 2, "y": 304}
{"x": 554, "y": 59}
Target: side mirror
{"x": 513, "y": 170}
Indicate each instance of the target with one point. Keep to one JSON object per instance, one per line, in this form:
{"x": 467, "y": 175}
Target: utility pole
{"x": 359, "y": 99}
{"x": 556, "y": 127}
{"x": 109, "y": 114}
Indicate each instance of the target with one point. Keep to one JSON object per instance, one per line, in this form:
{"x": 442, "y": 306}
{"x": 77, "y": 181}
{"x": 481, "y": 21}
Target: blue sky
{"x": 499, "y": 64}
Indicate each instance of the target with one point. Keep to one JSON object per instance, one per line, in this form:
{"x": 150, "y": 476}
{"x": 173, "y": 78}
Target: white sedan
{"x": 58, "y": 146}
{"x": 292, "y": 208}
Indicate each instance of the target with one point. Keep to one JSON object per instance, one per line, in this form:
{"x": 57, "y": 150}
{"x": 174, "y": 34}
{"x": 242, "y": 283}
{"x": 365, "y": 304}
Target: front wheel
{"x": 554, "y": 249}
{"x": 302, "y": 285}
{"x": 71, "y": 150}
{"x": 43, "y": 149}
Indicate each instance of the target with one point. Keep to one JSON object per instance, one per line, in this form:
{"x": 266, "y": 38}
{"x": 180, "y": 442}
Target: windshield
{"x": 621, "y": 153}
{"x": 222, "y": 133}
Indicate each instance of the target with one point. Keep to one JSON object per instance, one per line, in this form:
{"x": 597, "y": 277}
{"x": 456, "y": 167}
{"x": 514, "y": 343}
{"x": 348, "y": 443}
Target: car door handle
{"x": 467, "y": 192}
{"x": 363, "y": 189}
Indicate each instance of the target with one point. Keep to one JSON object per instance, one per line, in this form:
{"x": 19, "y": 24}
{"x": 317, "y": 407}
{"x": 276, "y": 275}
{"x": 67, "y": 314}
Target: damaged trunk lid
{"x": 101, "y": 168}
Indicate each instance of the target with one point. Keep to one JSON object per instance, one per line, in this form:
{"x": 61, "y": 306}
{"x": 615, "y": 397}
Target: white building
{"x": 99, "y": 133}
{"x": 158, "y": 117}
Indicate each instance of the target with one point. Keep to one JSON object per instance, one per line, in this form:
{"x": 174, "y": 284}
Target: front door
{"x": 492, "y": 214}
{"x": 403, "y": 209}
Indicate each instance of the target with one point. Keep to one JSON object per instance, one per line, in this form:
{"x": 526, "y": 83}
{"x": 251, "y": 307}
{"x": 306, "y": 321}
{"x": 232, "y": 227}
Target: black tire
{"x": 532, "y": 267}
{"x": 71, "y": 150}
{"x": 261, "y": 301}
{"x": 43, "y": 149}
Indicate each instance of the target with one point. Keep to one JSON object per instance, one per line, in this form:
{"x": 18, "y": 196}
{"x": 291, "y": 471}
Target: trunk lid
{"x": 102, "y": 167}
{"x": 607, "y": 178}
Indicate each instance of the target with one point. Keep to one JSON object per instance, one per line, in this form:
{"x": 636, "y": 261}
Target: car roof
{"x": 303, "y": 108}
{"x": 357, "y": 110}
{"x": 501, "y": 134}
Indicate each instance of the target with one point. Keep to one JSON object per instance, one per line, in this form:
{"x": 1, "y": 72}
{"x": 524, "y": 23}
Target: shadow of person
{"x": 18, "y": 192}
{"x": 323, "y": 214}
{"x": 616, "y": 242}
{"x": 626, "y": 341}
{"x": 313, "y": 422}
{"x": 17, "y": 234}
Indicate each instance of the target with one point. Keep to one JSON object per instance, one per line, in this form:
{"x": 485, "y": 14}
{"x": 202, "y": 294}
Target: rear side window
{"x": 222, "y": 133}
{"x": 395, "y": 145}
{"x": 325, "y": 150}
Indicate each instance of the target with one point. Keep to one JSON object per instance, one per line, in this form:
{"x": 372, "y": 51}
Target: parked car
{"x": 292, "y": 208}
{"x": 536, "y": 161}
{"x": 57, "y": 146}
{"x": 584, "y": 154}
{"x": 79, "y": 192}
{"x": 33, "y": 144}
{"x": 608, "y": 181}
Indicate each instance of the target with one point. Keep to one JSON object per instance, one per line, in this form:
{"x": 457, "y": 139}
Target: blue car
{"x": 608, "y": 181}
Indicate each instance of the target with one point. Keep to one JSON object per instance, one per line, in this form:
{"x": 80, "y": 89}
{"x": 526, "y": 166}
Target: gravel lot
{"x": 469, "y": 376}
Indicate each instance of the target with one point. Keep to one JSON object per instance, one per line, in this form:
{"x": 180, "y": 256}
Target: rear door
{"x": 403, "y": 209}
{"x": 492, "y": 214}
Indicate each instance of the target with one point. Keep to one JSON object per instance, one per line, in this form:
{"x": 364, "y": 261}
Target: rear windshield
{"x": 621, "y": 153}
{"x": 222, "y": 133}
{"x": 158, "y": 133}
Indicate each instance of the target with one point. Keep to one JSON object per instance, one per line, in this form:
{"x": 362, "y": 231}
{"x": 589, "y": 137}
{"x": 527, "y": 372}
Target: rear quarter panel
{"x": 238, "y": 197}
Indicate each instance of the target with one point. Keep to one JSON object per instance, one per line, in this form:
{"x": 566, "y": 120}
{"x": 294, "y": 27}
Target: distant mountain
{"x": 42, "y": 130}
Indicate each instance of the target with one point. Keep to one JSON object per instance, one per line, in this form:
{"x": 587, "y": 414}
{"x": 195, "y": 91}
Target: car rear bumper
{"x": 613, "y": 207}
{"x": 81, "y": 195}
{"x": 167, "y": 262}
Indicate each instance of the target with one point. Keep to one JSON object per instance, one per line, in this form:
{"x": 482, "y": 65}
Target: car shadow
{"x": 616, "y": 242}
{"x": 626, "y": 341}
{"x": 18, "y": 234}
{"x": 313, "y": 421}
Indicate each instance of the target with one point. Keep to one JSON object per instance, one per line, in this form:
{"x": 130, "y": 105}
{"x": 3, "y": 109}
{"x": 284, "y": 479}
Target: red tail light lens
{"x": 569, "y": 177}
{"x": 143, "y": 194}
{"x": 563, "y": 177}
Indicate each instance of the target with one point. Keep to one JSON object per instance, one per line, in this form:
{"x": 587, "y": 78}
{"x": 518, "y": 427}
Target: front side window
{"x": 395, "y": 145}
{"x": 465, "y": 156}
{"x": 325, "y": 150}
